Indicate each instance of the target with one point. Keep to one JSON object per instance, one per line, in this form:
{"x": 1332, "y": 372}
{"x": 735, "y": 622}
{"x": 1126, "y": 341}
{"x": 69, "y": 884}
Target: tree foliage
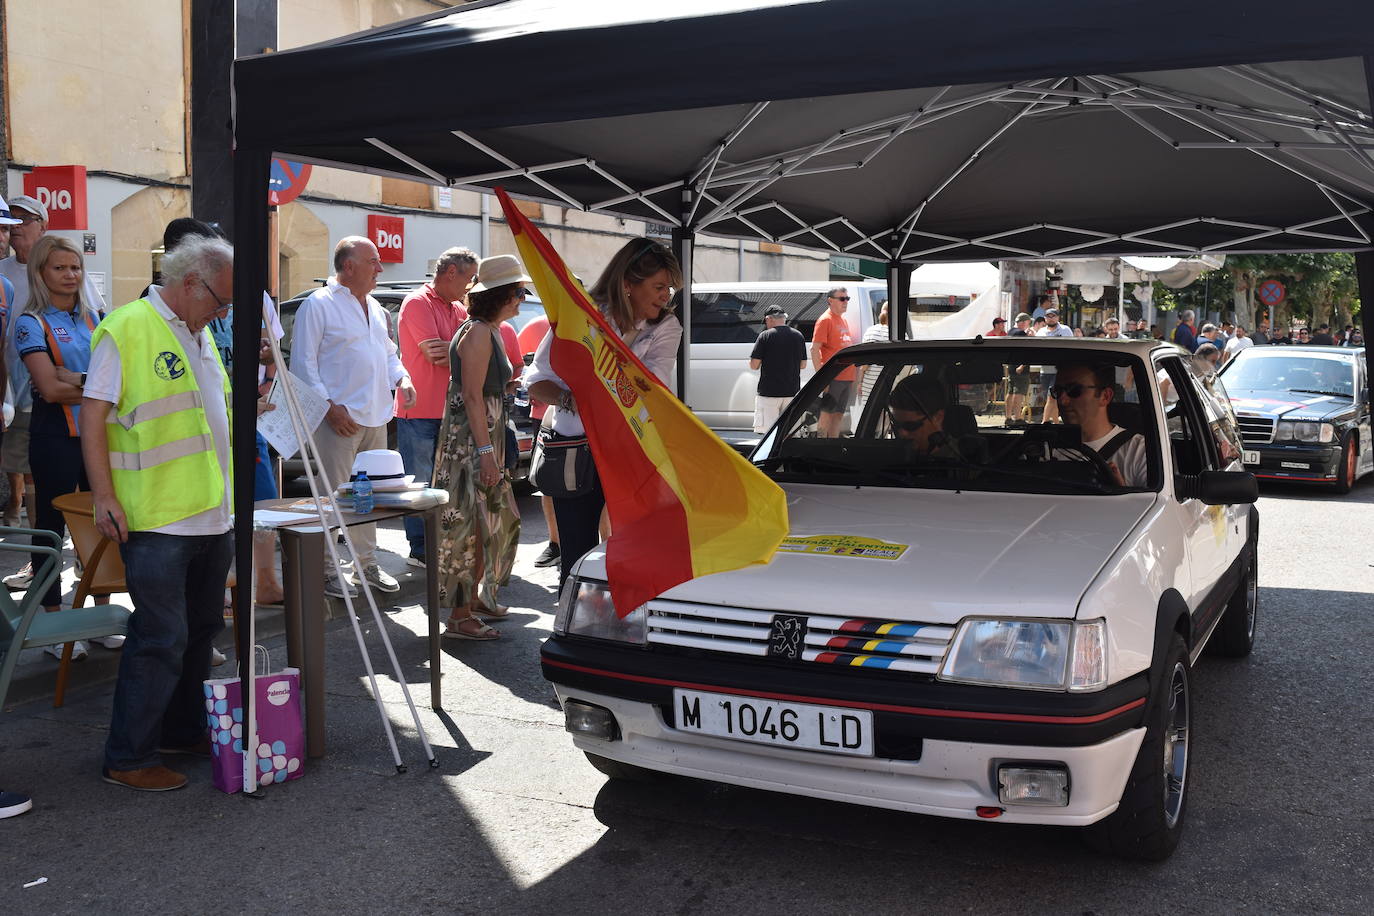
{"x": 1321, "y": 289}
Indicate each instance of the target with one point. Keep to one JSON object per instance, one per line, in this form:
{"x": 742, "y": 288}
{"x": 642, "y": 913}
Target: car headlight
{"x": 1304, "y": 431}
{"x": 587, "y": 609}
{"x": 1033, "y": 654}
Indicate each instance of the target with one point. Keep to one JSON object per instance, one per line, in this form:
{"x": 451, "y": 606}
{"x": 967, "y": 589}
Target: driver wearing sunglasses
{"x": 917, "y": 405}
{"x": 1083, "y": 391}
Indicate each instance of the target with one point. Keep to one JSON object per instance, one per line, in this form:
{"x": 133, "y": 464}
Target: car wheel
{"x": 1345, "y": 475}
{"x": 1149, "y": 820}
{"x": 627, "y": 772}
{"x": 1235, "y": 635}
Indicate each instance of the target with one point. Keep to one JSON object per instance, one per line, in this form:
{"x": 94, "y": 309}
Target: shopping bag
{"x": 280, "y": 747}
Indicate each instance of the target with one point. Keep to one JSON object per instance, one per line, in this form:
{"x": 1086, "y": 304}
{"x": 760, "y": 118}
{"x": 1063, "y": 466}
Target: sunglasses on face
{"x": 840, "y": 298}
{"x": 910, "y": 426}
{"x": 1073, "y": 390}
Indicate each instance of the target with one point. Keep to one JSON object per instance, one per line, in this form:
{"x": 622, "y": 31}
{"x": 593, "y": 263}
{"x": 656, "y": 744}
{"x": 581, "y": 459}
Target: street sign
{"x": 1271, "y": 292}
{"x": 287, "y": 181}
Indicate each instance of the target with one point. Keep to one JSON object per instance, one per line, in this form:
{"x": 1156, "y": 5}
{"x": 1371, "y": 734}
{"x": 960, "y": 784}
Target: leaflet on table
{"x": 275, "y": 425}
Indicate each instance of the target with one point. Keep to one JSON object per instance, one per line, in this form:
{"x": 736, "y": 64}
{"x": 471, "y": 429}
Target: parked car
{"x": 1000, "y": 631}
{"x": 1303, "y": 413}
{"x": 390, "y": 294}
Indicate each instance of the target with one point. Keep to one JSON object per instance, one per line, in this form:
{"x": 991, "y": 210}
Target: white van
{"x": 728, "y": 317}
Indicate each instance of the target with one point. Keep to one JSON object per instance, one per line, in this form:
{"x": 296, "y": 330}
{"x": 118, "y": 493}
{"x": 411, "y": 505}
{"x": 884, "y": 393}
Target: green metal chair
{"x": 24, "y": 625}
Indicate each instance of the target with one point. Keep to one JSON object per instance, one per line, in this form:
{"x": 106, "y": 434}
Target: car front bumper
{"x": 1319, "y": 463}
{"x": 937, "y": 748}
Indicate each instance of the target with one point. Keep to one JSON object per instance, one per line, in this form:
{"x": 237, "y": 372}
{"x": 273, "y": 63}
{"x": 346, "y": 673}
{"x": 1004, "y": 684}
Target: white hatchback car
{"x": 974, "y": 616}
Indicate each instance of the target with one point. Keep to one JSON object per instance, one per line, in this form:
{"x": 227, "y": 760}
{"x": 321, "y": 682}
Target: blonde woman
{"x": 53, "y": 338}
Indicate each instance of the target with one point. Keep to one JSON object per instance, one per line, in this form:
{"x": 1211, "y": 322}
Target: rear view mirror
{"x": 1219, "y": 488}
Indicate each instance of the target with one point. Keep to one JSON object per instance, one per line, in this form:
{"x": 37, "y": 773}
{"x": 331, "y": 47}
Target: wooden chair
{"x": 102, "y": 567}
{"x": 24, "y": 625}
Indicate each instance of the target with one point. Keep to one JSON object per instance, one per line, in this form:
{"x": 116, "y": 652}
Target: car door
{"x": 1365, "y": 432}
{"x": 1202, "y": 528}
{"x": 1227, "y": 449}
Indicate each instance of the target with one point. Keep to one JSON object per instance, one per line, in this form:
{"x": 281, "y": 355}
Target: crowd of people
{"x": 131, "y": 404}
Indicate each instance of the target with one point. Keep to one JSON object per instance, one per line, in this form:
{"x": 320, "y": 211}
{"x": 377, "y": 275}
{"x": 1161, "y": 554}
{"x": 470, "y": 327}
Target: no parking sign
{"x": 1271, "y": 292}
{"x": 287, "y": 181}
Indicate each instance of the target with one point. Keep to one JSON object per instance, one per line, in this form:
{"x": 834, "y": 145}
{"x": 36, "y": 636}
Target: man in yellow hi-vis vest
{"x": 155, "y": 437}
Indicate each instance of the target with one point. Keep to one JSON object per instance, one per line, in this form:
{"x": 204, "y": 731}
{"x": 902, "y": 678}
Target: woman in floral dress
{"x": 480, "y": 527}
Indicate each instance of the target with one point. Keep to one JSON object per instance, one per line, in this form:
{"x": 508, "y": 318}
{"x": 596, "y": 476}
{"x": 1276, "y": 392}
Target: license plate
{"x": 831, "y": 729}
{"x": 1295, "y": 465}
{"x": 1250, "y": 457}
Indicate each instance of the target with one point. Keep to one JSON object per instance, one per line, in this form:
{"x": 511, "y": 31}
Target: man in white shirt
{"x": 14, "y": 452}
{"x": 1239, "y": 342}
{"x": 341, "y": 348}
{"x": 1052, "y": 328}
{"x": 168, "y": 507}
{"x": 1083, "y": 392}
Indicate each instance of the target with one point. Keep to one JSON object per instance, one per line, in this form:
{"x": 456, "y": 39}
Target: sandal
{"x": 480, "y": 609}
{"x": 481, "y": 633}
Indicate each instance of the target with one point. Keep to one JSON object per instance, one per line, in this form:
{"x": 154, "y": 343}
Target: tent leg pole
{"x": 1364, "y": 273}
{"x": 684, "y": 247}
{"x": 899, "y": 300}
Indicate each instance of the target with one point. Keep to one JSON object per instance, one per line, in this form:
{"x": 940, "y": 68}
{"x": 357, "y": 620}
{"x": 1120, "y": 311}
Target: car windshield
{"x": 1044, "y": 419}
{"x": 1299, "y": 372}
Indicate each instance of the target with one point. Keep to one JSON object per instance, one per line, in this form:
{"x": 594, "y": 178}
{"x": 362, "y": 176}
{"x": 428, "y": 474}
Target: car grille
{"x": 1255, "y": 430}
{"x": 915, "y": 647}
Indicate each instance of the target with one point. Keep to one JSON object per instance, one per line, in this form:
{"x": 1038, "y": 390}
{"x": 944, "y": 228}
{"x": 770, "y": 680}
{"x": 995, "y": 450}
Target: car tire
{"x": 1149, "y": 820}
{"x": 1235, "y": 635}
{"x": 1345, "y": 474}
{"x": 626, "y": 772}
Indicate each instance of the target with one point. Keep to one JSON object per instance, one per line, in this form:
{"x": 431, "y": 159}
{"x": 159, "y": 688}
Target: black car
{"x": 390, "y": 294}
{"x": 1303, "y": 413}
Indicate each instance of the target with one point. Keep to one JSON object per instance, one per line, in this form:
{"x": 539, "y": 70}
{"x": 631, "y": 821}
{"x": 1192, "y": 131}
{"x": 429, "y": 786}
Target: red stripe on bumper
{"x": 852, "y": 704}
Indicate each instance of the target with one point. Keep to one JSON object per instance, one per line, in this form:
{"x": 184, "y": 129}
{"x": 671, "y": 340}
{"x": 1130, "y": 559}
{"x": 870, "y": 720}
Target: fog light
{"x": 586, "y": 719}
{"x": 1021, "y": 785}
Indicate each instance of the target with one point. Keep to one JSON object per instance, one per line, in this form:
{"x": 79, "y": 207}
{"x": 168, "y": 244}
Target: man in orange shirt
{"x": 830, "y": 336}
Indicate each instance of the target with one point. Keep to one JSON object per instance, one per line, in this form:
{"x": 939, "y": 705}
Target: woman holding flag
{"x": 634, "y": 294}
{"x": 480, "y": 527}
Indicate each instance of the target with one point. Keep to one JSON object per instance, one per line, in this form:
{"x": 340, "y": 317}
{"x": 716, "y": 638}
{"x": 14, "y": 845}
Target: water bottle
{"x": 362, "y": 494}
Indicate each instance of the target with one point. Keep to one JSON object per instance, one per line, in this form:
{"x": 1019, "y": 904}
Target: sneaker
{"x": 217, "y": 657}
{"x": 145, "y": 779}
{"x": 20, "y": 579}
{"x": 12, "y": 803}
{"x": 417, "y": 561}
{"x": 109, "y": 642}
{"x": 334, "y": 588}
{"x": 78, "y": 651}
{"x": 378, "y": 579}
{"x": 550, "y": 556}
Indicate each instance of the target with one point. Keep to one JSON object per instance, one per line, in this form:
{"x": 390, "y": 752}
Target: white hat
{"x": 498, "y": 270}
{"x": 6, "y": 217}
{"x": 29, "y": 205}
{"x": 384, "y": 468}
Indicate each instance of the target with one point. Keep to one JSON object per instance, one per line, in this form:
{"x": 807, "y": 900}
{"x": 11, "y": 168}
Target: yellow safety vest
{"x": 162, "y": 453}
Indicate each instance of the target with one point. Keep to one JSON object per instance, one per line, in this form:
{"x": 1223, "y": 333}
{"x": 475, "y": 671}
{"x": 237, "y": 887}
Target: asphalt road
{"x": 515, "y": 821}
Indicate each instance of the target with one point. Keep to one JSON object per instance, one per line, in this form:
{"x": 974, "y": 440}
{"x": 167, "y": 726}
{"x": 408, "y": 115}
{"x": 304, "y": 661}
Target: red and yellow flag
{"x": 682, "y": 503}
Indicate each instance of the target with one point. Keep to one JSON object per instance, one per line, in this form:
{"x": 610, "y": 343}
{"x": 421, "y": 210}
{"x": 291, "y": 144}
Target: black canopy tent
{"x": 902, "y": 131}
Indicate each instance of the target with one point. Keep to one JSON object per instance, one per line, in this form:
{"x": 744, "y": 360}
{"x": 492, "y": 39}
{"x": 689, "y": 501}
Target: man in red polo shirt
{"x": 430, "y": 317}
{"x": 831, "y": 335}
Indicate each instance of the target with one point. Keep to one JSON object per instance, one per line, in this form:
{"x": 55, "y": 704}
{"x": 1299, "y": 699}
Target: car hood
{"x": 1287, "y": 405}
{"x": 966, "y": 553}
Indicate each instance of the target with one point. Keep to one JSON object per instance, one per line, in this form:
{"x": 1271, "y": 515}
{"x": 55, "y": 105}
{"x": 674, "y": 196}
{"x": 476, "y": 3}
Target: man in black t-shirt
{"x": 779, "y": 356}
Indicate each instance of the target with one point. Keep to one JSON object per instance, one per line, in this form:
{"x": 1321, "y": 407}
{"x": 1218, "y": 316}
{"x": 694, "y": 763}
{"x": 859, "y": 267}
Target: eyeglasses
{"x": 1072, "y": 389}
{"x": 839, "y": 298}
{"x": 654, "y": 247}
{"x": 910, "y": 426}
{"x": 218, "y": 301}
{"x": 525, "y": 292}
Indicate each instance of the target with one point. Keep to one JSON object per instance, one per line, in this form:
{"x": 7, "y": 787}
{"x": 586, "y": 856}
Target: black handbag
{"x": 562, "y": 465}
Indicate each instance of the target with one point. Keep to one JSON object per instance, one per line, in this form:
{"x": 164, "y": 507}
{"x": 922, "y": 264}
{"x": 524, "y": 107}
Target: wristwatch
{"x": 83, "y": 380}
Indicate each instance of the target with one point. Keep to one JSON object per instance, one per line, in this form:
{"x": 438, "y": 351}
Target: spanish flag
{"x": 682, "y": 503}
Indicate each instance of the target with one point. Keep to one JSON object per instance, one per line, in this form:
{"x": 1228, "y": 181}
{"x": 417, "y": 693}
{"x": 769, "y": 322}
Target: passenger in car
{"x": 1083, "y": 392}
{"x": 918, "y": 404}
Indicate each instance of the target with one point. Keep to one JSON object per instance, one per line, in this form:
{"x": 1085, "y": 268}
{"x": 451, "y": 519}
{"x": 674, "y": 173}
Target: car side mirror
{"x": 1219, "y": 488}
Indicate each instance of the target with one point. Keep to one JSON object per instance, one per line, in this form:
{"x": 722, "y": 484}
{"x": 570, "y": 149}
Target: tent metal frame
{"x": 722, "y": 190}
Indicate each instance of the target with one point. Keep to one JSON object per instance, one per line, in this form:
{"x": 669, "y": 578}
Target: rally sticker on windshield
{"x": 843, "y": 545}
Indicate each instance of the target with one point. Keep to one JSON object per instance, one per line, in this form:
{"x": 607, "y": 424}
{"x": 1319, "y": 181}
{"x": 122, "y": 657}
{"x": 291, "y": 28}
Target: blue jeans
{"x": 176, "y": 584}
{"x": 415, "y": 440}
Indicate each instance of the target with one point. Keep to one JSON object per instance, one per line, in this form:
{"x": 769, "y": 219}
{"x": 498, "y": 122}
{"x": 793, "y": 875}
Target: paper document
{"x": 275, "y": 518}
{"x": 275, "y": 425}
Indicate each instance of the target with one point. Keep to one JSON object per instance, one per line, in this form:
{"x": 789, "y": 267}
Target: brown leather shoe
{"x": 145, "y": 779}
{"x": 200, "y": 749}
